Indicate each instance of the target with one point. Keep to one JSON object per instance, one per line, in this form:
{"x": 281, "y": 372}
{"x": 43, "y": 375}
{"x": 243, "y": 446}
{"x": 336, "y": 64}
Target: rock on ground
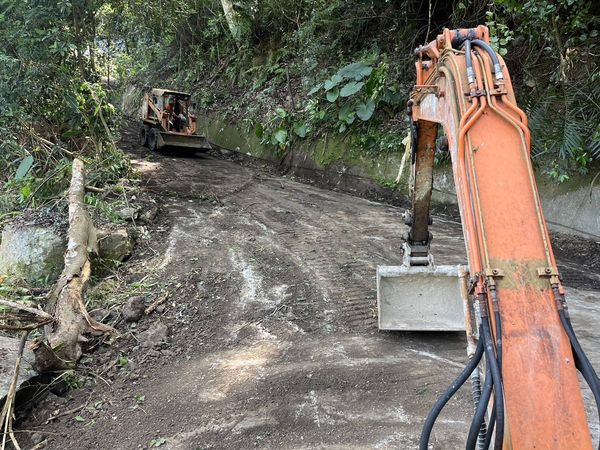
{"x": 133, "y": 310}
{"x": 34, "y": 253}
{"x": 114, "y": 245}
{"x": 127, "y": 213}
{"x": 154, "y": 336}
{"x": 8, "y": 355}
{"x": 148, "y": 213}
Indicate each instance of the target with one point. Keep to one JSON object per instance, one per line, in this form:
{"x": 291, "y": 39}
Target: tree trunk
{"x": 238, "y": 26}
{"x": 62, "y": 346}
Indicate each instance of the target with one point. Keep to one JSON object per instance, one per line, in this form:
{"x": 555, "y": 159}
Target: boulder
{"x": 32, "y": 252}
{"x": 114, "y": 245}
{"x": 8, "y": 357}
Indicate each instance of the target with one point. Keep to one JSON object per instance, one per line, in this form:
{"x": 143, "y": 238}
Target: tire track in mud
{"x": 345, "y": 277}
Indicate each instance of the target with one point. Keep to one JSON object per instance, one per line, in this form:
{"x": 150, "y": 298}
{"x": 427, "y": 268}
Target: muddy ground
{"x": 272, "y": 337}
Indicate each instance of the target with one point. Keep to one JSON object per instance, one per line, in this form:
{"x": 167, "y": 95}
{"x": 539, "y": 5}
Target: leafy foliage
{"x": 292, "y": 70}
{"x": 52, "y": 104}
{"x": 552, "y": 48}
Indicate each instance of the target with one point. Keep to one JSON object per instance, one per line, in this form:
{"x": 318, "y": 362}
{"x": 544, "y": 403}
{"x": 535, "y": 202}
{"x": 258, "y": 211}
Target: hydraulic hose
{"x": 490, "y": 359}
{"x": 490, "y": 51}
{"x": 490, "y": 432}
{"x": 498, "y": 338}
{"x": 479, "y": 417}
{"x": 476, "y": 394}
{"x": 498, "y": 323}
{"x": 469, "y": 62}
{"x": 448, "y": 393}
{"x": 566, "y": 322}
{"x": 581, "y": 361}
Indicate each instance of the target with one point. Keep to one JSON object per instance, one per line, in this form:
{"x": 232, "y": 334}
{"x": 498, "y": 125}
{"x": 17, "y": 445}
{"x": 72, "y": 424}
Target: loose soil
{"x": 272, "y": 327}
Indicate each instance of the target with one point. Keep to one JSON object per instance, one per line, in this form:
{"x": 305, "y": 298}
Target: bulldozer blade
{"x": 420, "y": 298}
{"x": 191, "y": 141}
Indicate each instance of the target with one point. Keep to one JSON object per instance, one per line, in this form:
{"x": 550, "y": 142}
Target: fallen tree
{"x": 65, "y": 319}
{"x": 60, "y": 348}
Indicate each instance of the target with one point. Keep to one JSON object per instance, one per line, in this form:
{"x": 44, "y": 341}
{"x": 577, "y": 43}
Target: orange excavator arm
{"x": 525, "y": 336}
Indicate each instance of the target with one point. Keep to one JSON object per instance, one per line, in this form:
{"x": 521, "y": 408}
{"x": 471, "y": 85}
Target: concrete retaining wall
{"x": 572, "y": 207}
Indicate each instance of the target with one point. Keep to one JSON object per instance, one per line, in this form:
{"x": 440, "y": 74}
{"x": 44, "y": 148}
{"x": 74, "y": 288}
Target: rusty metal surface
{"x": 423, "y": 181}
{"x": 504, "y": 229}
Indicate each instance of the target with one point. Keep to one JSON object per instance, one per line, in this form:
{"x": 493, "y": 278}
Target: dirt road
{"x": 272, "y": 338}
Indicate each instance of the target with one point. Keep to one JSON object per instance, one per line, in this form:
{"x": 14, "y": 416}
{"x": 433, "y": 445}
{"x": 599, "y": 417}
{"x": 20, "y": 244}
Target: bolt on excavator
{"x": 523, "y": 352}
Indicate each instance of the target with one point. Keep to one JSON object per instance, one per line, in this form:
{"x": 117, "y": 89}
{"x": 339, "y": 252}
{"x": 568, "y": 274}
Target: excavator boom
{"x": 464, "y": 88}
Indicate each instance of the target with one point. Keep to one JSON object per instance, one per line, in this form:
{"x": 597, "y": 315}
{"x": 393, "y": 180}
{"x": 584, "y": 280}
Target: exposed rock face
{"x": 34, "y": 253}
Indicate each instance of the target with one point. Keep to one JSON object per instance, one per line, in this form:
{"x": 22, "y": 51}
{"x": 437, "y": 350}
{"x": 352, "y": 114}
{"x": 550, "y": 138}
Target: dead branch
{"x": 63, "y": 340}
{"x": 95, "y": 190}
{"x": 40, "y": 446}
{"x": 36, "y": 312}
{"x": 150, "y": 309}
{"x": 65, "y": 413}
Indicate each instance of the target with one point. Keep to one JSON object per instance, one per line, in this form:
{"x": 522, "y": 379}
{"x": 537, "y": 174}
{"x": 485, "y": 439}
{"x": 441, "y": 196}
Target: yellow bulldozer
{"x": 167, "y": 121}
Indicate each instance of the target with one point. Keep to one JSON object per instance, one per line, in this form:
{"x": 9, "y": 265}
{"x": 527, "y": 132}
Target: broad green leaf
{"x": 24, "y": 167}
{"x": 356, "y": 71}
{"x": 351, "y": 88}
{"x": 280, "y": 136}
{"x": 79, "y": 419}
{"x": 333, "y": 95}
{"x": 333, "y": 82}
{"x": 364, "y": 111}
{"x": 26, "y": 191}
{"x": 315, "y": 89}
{"x": 158, "y": 442}
{"x": 346, "y": 114}
{"x": 301, "y": 129}
{"x": 281, "y": 112}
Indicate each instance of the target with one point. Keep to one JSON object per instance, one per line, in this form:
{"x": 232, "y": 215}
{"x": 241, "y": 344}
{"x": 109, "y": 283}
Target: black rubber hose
{"x": 490, "y": 432}
{"x": 479, "y": 417}
{"x": 498, "y": 339}
{"x": 575, "y": 343}
{"x": 581, "y": 361}
{"x": 448, "y": 393}
{"x": 476, "y": 393}
{"x": 490, "y": 359}
{"x": 469, "y": 62}
{"x": 490, "y": 51}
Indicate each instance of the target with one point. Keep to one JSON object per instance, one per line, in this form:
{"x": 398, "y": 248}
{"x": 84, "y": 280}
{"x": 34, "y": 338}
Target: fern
{"x": 565, "y": 122}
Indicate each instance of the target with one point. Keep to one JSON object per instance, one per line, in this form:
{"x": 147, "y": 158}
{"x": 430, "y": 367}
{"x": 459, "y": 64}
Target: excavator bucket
{"x": 420, "y": 298}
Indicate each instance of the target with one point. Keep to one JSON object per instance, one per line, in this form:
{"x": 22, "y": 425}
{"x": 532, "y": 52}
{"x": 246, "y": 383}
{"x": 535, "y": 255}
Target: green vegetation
{"x": 289, "y": 71}
{"x": 53, "y": 104}
{"x": 552, "y": 55}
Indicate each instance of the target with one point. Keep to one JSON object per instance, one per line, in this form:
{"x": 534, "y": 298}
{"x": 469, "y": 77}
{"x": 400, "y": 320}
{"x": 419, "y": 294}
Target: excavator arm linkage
{"x": 464, "y": 87}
